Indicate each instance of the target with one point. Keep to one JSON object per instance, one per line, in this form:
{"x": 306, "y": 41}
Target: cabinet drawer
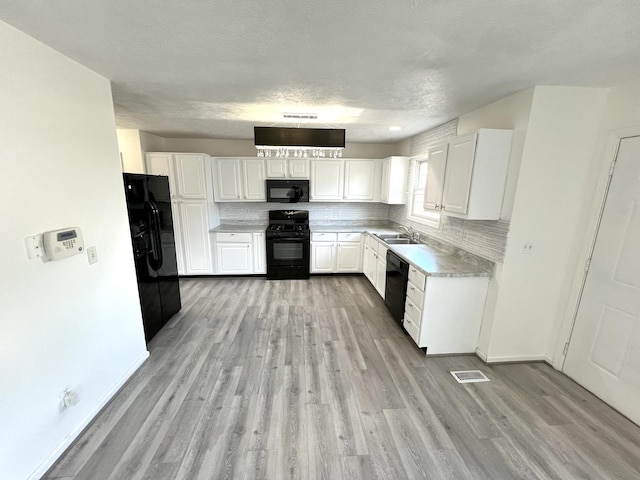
{"x": 414, "y": 311}
{"x": 234, "y": 237}
{"x": 412, "y": 329}
{"x": 349, "y": 237}
{"x": 417, "y": 277}
{"x": 415, "y": 294}
{"x": 323, "y": 237}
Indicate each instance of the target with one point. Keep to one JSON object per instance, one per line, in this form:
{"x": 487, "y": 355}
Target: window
{"x": 416, "y": 211}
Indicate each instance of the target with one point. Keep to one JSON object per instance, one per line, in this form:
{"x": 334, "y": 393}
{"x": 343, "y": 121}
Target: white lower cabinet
{"x": 194, "y": 225}
{"x": 336, "y": 252}
{"x": 234, "y": 253}
{"x": 374, "y": 261}
{"x": 259, "y": 253}
{"x": 443, "y": 314}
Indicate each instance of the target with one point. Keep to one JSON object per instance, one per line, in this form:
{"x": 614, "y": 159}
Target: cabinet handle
{"x": 410, "y": 304}
{"x": 412, "y": 288}
{"x": 413, "y": 270}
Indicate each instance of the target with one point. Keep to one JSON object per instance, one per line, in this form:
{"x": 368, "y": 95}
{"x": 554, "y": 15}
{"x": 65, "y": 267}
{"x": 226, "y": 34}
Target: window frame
{"x": 429, "y": 218}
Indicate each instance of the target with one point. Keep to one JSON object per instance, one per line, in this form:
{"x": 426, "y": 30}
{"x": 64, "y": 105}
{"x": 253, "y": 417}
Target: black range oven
{"x": 288, "y": 245}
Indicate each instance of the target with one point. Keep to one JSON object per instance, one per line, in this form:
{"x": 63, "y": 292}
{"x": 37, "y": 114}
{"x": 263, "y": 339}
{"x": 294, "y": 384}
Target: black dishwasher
{"x": 396, "y": 285}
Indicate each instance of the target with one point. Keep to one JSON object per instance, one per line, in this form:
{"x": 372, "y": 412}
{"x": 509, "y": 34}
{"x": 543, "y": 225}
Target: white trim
{"x": 481, "y": 354}
{"x": 48, "y": 462}
{"x": 433, "y": 220}
{"x": 518, "y": 358}
{"x": 595, "y": 213}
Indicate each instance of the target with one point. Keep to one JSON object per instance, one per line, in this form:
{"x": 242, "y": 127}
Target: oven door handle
{"x": 287, "y": 239}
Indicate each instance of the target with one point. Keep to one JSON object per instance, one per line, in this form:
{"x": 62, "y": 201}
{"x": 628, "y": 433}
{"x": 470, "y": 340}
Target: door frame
{"x": 596, "y": 209}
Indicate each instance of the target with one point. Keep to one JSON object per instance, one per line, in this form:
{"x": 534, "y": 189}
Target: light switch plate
{"x": 92, "y": 254}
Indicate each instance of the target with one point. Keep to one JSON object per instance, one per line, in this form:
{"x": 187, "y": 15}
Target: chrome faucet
{"x": 411, "y": 233}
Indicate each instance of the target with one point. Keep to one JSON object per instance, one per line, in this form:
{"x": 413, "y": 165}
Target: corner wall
{"x": 557, "y": 160}
{"x": 65, "y": 323}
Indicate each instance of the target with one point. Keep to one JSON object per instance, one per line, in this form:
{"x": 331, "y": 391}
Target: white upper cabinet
{"x": 459, "y": 167}
{"x": 393, "y": 186}
{"x": 162, "y": 164}
{"x": 287, "y": 167}
{"x": 228, "y": 186}
{"x": 254, "y": 177}
{"x": 240, "y": 180}
{"x": 437, "y": 162}
{"x": 298, "y": 168}
{"x": 360, "y": 180}
{"x": 327, "y": 180}
{"x": 191, "y": 182}
{"x": 467, "y": 175}
{"x": 356, "y": 180}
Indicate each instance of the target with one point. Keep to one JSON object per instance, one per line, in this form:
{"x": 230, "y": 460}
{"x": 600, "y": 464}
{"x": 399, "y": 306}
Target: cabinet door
{"x": 299, "y": 168}
{"x": 365, "y": 261}
{"x": 359, "y": 181}
{"x": 276, "y": 167}
{"x": 176, "y": 213}
{"x": 372, "y": 265}
{"x": 195, "y": 236}
{"x": 327, "y": 179}
{"x": 253, "y": 179}
{"x": 228, "y": 186}
{"x": 322, "y": 257}
{"x": 259, "y": 253}
{"x": 162, "y": 164}
{"x": 381, "y": 275}
{"x": 384, "y": 185}
{"x": 190, "y": 176}
{"x": 348, "y": 258}
{"x": 234, "y": 258}
{"x": 457, "y": 179}
{"x": 436, "y": 165}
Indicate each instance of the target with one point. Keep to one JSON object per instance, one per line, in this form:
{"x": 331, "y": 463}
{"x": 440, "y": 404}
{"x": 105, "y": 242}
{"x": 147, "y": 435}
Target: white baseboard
{"x": 68, "y": 440}
{"x": 515, "y": 358}
{"x": 481, "y": 354}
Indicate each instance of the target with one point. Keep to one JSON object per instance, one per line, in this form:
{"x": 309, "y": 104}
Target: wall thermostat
{"x": 63, "y": 243}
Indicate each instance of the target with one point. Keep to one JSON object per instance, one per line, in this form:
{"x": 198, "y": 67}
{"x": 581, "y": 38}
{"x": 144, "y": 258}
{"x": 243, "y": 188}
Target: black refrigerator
{"x": 154, "y": 249}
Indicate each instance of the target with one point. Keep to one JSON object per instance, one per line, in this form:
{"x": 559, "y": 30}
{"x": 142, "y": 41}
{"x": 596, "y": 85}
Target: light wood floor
{"x": 313, "y": 379}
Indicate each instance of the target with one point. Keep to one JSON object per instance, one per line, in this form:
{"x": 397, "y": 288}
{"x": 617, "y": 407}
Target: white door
{"x": 276, "y": 168}
{"x": 253, "y": 178}
{"x": 177, "y": 235}
{"x": 322, "y": 257}
{"x": 457, "y": 178}
{"x": 228, "y": 186}
{"x": 234, "y": 258}
{"x": 604, "y": 352}
{"x": 299, "y": 168}
{"x": 348, "y": 258}
{"x": 359, "y": 179}
{"x": 195, "y": 237}
{"x": 190, "y": 170}
{"x": 327, "y": 179}
{"x": 436, "y": 165}
{"x": 162, "y": 164}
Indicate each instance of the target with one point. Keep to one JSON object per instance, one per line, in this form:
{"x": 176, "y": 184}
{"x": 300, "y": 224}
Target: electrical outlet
{"x": 527, "y": 248}
{"x": 92, "y": 254}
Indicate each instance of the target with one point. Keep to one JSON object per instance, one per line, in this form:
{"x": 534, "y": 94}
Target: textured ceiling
{"x": 216, "y": 68}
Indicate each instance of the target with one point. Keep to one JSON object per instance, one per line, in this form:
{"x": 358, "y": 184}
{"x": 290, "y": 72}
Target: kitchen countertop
{"x": 436, "y": 263}
{"x": 236, "y": 228}
{"x": 429, "y": 259}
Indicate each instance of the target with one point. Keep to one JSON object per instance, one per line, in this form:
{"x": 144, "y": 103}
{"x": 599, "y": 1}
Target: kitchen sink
{"x": 399, "y": 241}
{"x": 386, "y": 236}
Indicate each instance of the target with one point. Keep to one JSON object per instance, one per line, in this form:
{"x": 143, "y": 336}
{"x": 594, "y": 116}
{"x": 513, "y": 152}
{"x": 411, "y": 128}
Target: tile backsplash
{"x": 319, "y": 213}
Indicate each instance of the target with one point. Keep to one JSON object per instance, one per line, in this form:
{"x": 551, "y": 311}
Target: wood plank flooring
{"x": 312, "y": 379}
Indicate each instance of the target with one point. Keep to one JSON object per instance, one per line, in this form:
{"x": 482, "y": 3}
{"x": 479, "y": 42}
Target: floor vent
{"x": 469, "y": 376}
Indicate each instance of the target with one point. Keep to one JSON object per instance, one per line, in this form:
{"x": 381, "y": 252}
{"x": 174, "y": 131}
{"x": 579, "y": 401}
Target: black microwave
{"x": 287, "y": 191}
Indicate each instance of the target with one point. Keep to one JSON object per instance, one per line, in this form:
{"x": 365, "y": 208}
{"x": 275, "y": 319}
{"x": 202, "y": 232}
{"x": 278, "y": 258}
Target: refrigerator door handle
{"x": 155, "y": 236}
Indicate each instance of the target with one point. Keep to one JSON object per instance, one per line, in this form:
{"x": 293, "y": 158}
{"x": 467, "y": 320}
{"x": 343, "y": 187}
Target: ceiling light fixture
{"x": 301, "y": 116}
{"x": 299, "y": 142}
{"x": 395, "y": 128}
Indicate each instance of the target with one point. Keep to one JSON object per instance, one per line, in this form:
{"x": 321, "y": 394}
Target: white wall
{"x": 246, "y": 148}
{"x": 64, "y": 323}
{"x": 556, "y": 166}
{"x": 130, "y": 150}
{"x": 621, "y": 118}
